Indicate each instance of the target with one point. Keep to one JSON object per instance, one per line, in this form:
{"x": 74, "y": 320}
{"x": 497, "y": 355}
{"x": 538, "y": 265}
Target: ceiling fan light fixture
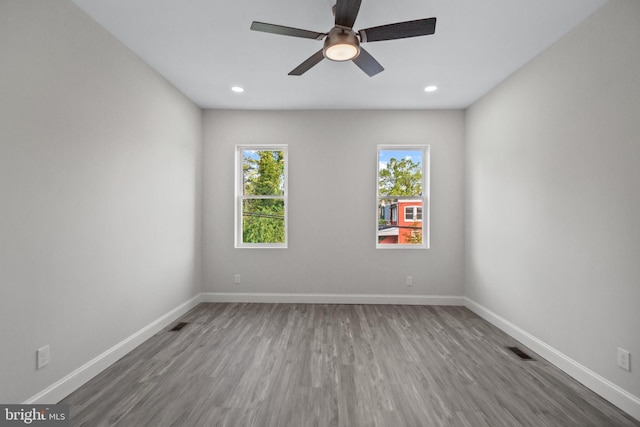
{"x": 341, "y": 52}
{"x": 341, "y": 44}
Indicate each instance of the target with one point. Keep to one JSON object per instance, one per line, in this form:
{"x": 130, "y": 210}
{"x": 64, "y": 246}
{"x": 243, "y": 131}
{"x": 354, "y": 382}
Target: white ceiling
{"x": 204, "y": 47}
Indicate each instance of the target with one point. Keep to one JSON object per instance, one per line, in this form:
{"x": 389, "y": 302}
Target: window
{"x": 413, "y": 213}
{"x": 261, "y": 196}
{"x": 403, "y": 197}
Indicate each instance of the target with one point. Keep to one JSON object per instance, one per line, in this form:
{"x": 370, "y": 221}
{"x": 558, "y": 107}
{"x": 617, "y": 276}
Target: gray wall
{"x": 332, "y": 202}
{"x": 99, "y": 193}
{"x": 552, "y": 204}
{"x": 100, "y": 204}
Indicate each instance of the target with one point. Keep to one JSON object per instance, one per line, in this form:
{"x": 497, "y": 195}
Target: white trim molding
{"x": 332, "y": 298}
{"x": 605, "y": 388}
{"x": 600, "y": 385}
{"x": 74, "y": 380}
{"x": 70, "y": 383}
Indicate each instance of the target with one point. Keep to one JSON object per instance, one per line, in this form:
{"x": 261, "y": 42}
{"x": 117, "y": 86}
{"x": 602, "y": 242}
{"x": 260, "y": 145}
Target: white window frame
{"x": 415, "y": 213}
{"x": 425, "y": 197}
{"x": 240, "y": 197}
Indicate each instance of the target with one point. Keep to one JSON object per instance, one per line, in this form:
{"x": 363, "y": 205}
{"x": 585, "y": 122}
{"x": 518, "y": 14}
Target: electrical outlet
{"x": 236, "y": 279}
{"x": 624, "y": 359}
{"x": 409, "y": 280}
{"x": 42, "y": 356}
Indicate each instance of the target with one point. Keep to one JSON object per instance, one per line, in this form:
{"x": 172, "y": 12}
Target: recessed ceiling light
{"x": 431, "y": 88}
{"x": 237, "y": 89}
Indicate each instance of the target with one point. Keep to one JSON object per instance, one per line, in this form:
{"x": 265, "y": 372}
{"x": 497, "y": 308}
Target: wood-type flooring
{"x": 298, "y": 365}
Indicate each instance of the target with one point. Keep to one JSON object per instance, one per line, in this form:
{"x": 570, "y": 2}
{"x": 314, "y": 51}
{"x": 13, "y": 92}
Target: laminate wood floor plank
{"x": 299, "y": 365}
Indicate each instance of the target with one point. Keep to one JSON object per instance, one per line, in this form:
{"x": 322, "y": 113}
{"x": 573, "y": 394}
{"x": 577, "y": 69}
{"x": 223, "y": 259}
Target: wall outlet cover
{"x": 624, "y": 361}
{"x": 42, "y": 356}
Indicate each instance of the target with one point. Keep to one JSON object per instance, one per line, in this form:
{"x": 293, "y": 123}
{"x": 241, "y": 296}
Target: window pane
{"x": 263, "y": 221}
{"x": 407, "y": 230}
{"x": 400, "y": 172}
{"x": 403, "y": 194}
{"x": 263, "y": 172}
{"x": 408, "y": 213}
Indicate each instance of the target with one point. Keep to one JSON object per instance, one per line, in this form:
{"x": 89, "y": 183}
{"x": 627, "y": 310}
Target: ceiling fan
{"x": 341, "y": 43}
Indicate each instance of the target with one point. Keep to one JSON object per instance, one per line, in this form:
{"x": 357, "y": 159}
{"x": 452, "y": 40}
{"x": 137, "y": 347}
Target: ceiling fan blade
{"x": 286, "y": 31}
{"x": 346, "y": 12}
{"x": 307, "y": 64}
{"x": 400, "y": 30}
{"x": 367, "y": 63}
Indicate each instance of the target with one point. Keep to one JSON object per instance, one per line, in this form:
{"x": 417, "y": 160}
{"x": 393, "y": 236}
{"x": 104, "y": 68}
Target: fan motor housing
{"x": 341, "y": 44}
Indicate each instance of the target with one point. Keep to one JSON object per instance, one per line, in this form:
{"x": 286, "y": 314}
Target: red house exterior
{"x": 400, "y": 222}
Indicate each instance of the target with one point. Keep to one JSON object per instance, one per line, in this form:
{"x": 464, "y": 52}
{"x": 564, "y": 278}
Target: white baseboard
{"x": 65, "y": 386}
{"x": 71, "y": 382}
{"x": 600, "y": 385}
{"x": 332, "y": 298}
{"x": 609, "y": 391}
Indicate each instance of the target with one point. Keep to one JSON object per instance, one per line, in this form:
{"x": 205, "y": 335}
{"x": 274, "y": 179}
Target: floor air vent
{"x": 521, "y": 354}
{"x": 179, "y": 326}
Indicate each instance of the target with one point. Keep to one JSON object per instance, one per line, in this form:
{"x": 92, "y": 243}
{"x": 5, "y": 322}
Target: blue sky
{"x": 250, "y": 153}
{"x": 385, "y": 155}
